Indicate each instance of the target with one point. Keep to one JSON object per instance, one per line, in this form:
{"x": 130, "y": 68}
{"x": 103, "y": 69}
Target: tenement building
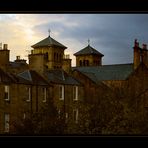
{"x": 26, "y": 88}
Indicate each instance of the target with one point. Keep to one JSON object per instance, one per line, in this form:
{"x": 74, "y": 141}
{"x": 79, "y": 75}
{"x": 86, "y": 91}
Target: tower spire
{"x": 88, "y": 41}
{"x": 49, "y": 31}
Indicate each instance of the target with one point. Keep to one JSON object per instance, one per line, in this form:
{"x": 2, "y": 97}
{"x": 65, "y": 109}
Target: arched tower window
{"x": 57, "y": 57}
{"x": 80, "y": 63}
{"x": 83, "y": 62}
{"x": 54, "y": 56}
{"x": 60, "y": 57}
{"x": 87, "y": 62}
{"x": 46, "y": 55}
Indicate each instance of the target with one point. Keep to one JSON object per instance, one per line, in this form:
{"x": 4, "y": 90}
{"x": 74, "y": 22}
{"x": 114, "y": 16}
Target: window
{"x": 57, "y": 57}
{"x": 80, "y": 62}
{"x": 61, "y": 92}
{"x": 6, "y": 122}
{"x": 59, "y": 113}
{"x": 87, "y": 63}
{"x": 66, "y": 117}
{"x": 75, "y": 115}
{"x": 60, "y": 57}
{"x": 83, "y": 62}
{"x": 28, "y": 94}
{"x": 54, "y": 56}
{"x": 44, "y": 94}
{"x": 46, "y": 56}
{"x": 6, "y": 97}
{"x": 24, "y": 116}
{"x": 75, "y": 93}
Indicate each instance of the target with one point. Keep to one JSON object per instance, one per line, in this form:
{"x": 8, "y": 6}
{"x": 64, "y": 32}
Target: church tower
{"x": 51, "y": 50}
{"x": 88, "y": 56}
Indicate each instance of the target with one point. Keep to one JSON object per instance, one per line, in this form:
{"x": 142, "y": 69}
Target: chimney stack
{"x": 66, "y": 63}
{"x": 144, "y": 46}
{"x": 145, "y": 54}
{"x": 17, "y": 57}
{"x": 136, "y": 54}
{"x": 5, "y": 46}
{"x": 136, "y": 43}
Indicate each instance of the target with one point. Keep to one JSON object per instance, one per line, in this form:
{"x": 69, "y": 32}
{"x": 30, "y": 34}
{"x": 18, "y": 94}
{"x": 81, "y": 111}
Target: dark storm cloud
{"x": 111, "y": 34}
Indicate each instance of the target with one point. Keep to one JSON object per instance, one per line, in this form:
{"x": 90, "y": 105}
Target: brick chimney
{"x": 136, "y": 54}
{"x": 66, "y": 63}
{"x": 145, "y": 54}
{"x": 4, "y": 56}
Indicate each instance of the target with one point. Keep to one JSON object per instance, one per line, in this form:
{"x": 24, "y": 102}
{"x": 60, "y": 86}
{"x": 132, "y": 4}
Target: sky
{"x": 111, "y": 34}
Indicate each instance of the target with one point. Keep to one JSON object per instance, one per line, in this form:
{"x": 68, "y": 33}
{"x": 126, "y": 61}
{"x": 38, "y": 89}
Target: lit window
{"x": 44, "y": 94}
{"x": 75, "y": 92}
{"x": 6, "y": 97}
{"x": 28, "y": 94}
{"x": 59, "y": 113}
{"x": 6, "y": 122}
{"x": 75, "y": 115}
{"x": 61, "y": 92}
{"x": 24, "y": 116}
{"x": 66, "y": 116}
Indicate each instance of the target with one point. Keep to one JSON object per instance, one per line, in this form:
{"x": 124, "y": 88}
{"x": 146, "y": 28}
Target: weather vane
{"x": 88, "y": 41}
{"x": 49, "y": 31}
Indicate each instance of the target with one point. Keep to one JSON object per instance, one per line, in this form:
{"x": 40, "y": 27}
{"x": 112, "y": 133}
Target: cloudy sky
{"x": 111, "y": 34}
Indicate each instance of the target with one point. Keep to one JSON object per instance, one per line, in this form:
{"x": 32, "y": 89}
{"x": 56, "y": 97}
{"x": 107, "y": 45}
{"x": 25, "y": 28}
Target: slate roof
{"x": 19, "y": 79}
{"x": 88, "y": 50}
{"x": 17, "y": 64}
{"x": 61, "y": 77}
{"x": 4, "y": 77}
{"x": 107, "y": 72}
{"x": 33, "y": 77}
{"x": 48, "y": 42}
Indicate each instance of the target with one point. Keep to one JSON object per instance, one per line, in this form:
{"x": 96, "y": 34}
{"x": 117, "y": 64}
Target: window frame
{"x": 6, "y": 122}
{"x": 75, "y": 93}
{"x": 7, "y": 91}
{"x": 28, "y": 94}
{"x": 76, "y": 115}
{"x": 61, "y": 92}
{"x": 44, "y": 94}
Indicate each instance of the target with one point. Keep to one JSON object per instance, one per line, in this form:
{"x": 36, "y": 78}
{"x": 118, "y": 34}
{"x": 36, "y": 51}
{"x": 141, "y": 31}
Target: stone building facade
{"x": 49, "y": 76}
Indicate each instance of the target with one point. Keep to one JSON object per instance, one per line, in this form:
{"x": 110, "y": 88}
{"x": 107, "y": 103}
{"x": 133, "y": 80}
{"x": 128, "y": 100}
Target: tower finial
{"x": 88, "y": 41}
{"x": 49, "y": 31}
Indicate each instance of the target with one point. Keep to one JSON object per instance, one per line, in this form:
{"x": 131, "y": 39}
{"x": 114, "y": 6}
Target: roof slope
{"x": 33, "y": 77}
{"x": 88, "y": 50}
{"x": 107, "y": 72}
{"x": 17, "y": 64}
{"x": 48, "y": 42}
{"x": 5, "y": 77}
{"x": 61, "y": 77}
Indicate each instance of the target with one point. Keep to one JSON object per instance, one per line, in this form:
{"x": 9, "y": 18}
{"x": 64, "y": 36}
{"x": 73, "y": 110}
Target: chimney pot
{"x": 5, "y": 46}
{"x": 136, "y": 43}
{"x": 144, "y": 46}
{"x": 17, "y": 57}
